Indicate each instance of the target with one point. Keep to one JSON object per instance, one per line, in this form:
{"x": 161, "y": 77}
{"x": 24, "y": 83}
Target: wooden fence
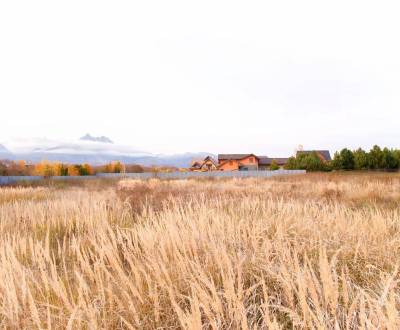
{"x": 4, "y": 180}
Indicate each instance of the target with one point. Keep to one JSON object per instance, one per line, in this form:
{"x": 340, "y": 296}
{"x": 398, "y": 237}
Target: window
{"x": 230, "y": 162}
{"x": 251, "y": 160}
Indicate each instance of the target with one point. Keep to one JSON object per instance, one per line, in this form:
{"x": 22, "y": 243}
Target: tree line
{"x": 49, "y": 169}
{"x": 346, "y": 159}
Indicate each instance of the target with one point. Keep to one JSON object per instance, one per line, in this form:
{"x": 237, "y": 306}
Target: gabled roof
{"x": 195, "y": 162}
{"x": 325, "y": 154}
{"x": 199, "y": 163}
{"x": 268, "y": 160}
{"x": 235, "y": 156}
{"x": 209, "y": 158}
{"x": 195, "y": 165}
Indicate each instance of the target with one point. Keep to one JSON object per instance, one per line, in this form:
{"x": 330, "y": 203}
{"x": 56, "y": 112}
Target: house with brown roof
{"x": 238, "y": 162}
{"x": 247, "y": 162}
{"x": 265, "y": 162}
{"x": 205, "y": 165}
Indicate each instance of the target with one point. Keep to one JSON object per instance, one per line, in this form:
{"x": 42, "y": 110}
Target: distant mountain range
{"x": 4, "y": 151}
{"x": 3, "y": 148}
{"x": 89, "y": 149}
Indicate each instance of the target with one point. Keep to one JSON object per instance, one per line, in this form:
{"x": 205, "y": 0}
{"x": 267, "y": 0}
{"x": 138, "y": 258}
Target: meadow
{"x": 315, "y": 251}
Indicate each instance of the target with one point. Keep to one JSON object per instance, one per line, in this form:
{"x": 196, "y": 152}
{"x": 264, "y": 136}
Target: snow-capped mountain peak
{"x": 102, "y": 139}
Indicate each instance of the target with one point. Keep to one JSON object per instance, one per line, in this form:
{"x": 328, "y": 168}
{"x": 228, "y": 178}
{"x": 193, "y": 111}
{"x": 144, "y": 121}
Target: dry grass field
{"x": 314, "y": 251}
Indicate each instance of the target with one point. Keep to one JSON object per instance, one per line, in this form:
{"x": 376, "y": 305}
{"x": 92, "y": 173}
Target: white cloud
{"x": 219, "y": 76}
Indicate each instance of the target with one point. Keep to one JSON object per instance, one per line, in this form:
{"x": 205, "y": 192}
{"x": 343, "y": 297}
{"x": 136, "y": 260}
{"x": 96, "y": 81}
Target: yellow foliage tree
{"x": 87, "y": 169}
{"x": 115, "y": 167}
{"x": 46, "y": 169}
{"x": 21, "y": 165}
{"x": 73, "y": 170}
{"x": 118, "y": 167}
{"x": 57, "y": 167}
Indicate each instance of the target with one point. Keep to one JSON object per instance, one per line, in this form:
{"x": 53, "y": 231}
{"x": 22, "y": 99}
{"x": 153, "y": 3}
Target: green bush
{"x": 344, "y": 160}
{"x": 274, "y": 165}
{"x": 307, "y": 161}
{"x": 361, "y": 160}
{"x": 375, "y": 159}
{"x": 389, "y": 160}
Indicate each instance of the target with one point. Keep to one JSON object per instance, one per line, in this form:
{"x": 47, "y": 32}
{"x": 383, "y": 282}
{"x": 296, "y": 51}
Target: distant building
{"x": 235, "y": 162}
{"x": 265, "y": 162}
{"x": 247, "y": 162}
{"x": 238, "y": 162}
{"x": 195, "y": 165}
{"x": 205, "y": 165}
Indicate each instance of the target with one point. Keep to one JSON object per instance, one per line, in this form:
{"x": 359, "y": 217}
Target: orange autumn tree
{"x": 21, "y": 166}
{"x": 47, "y": 169}
{"x": 73, "y": 170}
{"x": 86, "y": 169}
{"x": 59, "y": 169}
{"x": 114, "y": 167}
{"x": 118, "y": 167}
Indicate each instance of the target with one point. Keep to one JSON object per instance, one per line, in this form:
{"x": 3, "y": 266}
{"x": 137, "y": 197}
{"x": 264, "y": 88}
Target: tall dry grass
{"x": 314, "y": 251}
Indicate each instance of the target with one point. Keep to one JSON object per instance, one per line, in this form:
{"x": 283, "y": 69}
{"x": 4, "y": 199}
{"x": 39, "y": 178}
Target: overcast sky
{"x": 217, "y": 76}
